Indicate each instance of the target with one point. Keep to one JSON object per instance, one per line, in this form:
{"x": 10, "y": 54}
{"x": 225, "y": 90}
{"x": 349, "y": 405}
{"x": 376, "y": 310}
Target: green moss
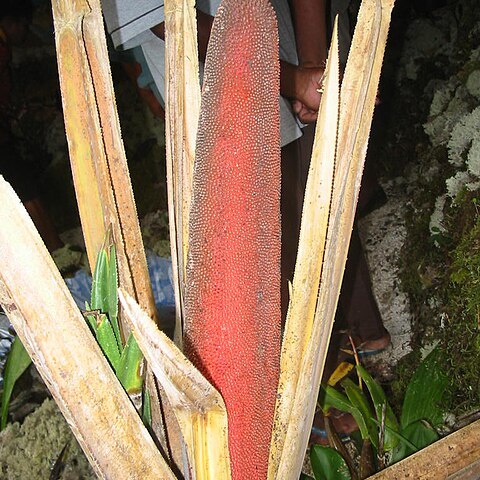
{"x": 461, "y": 340}
{"x": 440, "y": 273}
{"x": 28, "y": 451}
{"x": 423, "y": 264}
{"x": 443, "y": 284}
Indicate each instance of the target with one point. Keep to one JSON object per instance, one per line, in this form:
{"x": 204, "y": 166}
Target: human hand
{"x": 304, "y": 114}
{"x": 302, "y": 86}
{"x": 308, "y": 93}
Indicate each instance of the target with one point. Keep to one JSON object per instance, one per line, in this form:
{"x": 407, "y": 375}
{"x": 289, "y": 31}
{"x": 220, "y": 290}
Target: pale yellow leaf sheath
{"x": 99, "y": 166}
{"x": 182, "y": 110}
{"x": 66, "y": 354}
{"x": 357, "y": 100}
{"x": 198, "y": 407}
{"x": 304, "y": 291}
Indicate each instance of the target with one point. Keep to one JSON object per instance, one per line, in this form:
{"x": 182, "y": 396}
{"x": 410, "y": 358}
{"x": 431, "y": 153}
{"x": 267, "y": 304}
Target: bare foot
{"x": 378, "y": 344}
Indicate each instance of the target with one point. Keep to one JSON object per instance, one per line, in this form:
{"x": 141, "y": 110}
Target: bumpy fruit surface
{"x": 233, "y": 318}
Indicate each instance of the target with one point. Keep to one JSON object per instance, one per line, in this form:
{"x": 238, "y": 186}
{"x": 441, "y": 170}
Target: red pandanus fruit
{"x": 232, "y": 306}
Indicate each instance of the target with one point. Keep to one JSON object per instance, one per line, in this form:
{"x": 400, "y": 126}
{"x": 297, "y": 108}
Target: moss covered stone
{"x": 29, "y": 451}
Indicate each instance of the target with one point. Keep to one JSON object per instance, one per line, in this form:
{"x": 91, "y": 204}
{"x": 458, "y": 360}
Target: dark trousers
{"x": 357, "y": 310}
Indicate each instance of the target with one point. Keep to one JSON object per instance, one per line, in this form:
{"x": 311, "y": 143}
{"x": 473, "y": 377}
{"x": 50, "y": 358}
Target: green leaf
{"x": 379, "y": 401}
{"x": 90, "y": 318}
{"x": 105, "y": 283}
{"x": 398, "y": 436}
{"x": 303, "y": 476}
{"x": 17, "y": 362}
{"x": 128, "y": 371}
{"x": 424, "y": 393}
{"x": 107, "y": 340}
{"x": 420, "y": 434}
{"x": 147, "y": 410}
{"x": 97, "y": 301}
{"x": 331, "y": 397}
{"x": 328, "y": 464}
{"x": 359, "y": 400}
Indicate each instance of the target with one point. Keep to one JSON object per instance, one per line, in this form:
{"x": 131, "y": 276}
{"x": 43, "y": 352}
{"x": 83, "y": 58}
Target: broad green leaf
{"x": 398, "y": 436}
{"x": 379, "y": 401}
{"x": 424, "y": 393}
{"x": 17, "y": 362}
{"x": 128, "y": 371}
{"x": 359, "y": 400}
{"x": 331, "y": 397}
{"x": 107, "y": 340}
{"x": 420, "y": 434}
{"x": 328, "y": 464}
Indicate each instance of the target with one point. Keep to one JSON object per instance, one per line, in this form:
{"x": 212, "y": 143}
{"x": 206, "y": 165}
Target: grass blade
{"x": 147, "y": 410}
{"x": 331, "y": 397}
{"x": 97, "y": 295}
{"x": 105, "y": 283}
{"x": 359, "y": 400}
{"x": 91, "y": 317}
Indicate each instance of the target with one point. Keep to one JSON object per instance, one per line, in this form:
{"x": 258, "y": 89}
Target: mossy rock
{"x": 29, "y": 451}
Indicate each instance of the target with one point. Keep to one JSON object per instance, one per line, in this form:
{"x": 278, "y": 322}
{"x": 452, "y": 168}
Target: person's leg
{"x": 295, "y": 162}
{"x": 357, "y": 310}
{"x": 340, "y": 8}
{"x": 18, "y": 173}
{"x": 357, "y": 302}
{"x": 44, "y": 224}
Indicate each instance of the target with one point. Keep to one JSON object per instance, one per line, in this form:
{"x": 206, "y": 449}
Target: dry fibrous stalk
{"x": 99, "y": 167}
{"x": 289, "y": 413}
{"x": 198, "y": 407}
{"x": 56, "y": 336}
{"x": 357, "y": 100}
{"x": 182, "y": 109}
